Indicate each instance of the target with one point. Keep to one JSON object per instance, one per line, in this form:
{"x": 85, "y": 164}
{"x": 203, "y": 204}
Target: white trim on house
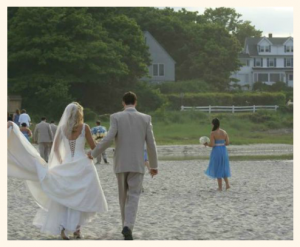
{"x": 269, "y": 66}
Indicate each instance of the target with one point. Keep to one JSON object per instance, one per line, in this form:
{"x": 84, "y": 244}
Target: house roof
{"x": 252, "y": 42}
{"x": 160, "y": 46}
{"x": 244, "y": 55}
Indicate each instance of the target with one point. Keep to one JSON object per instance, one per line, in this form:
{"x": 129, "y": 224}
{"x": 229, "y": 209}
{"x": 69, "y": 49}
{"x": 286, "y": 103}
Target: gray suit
{"x": 130, "y": 130}
{"x": 53, "y": 128}
{"x": 44, "y": 137}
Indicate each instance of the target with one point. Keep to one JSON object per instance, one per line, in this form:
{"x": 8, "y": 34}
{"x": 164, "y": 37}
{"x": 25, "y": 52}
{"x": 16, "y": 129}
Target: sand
{"x": 181, "y": 203}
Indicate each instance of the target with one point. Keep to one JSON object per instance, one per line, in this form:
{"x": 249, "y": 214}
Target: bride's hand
{"x": 90, "y": 155}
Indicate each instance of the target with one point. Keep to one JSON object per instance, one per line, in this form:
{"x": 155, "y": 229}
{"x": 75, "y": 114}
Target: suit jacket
{"x": 43, "y": 133}
{"x": 130, "y": 130}
{"x": 53, "y": 128}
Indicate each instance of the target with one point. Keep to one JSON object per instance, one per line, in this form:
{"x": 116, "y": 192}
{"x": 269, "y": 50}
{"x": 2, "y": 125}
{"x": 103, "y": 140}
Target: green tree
{"x": 51, "y": 49}
{"x": 226, "y": 17}
{"x": 202, "y": 50}
{"x": 245, "y": 30}
{"x": 230, "y": 19}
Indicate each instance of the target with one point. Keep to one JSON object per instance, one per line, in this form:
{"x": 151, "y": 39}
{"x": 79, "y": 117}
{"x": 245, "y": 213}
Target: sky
{"x": 275, "y": 20}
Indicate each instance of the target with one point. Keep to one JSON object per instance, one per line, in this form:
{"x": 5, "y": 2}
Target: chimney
{"x": 270, "y": 35}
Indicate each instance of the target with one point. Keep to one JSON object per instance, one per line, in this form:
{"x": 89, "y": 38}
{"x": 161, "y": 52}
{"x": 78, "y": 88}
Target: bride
{"x": 67, "y": 189}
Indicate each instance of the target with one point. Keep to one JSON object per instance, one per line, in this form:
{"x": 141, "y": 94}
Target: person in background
{"x": 26, "y": 131}
{"x": 24, "y": 118}
{"x": 100, "y": 130}
{"x": 43, "y": 136}
{"x": 16, "y": 117}
{"x": 219, "y": 166}
{"x": 53, "y": 127}
{"x": 9, "y": 117}
{"x": 146, "y": 162}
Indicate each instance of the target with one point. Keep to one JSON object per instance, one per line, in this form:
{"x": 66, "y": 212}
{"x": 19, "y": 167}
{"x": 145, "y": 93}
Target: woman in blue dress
{"x": 26, "y": 131}
{"x": 219, "y": 166}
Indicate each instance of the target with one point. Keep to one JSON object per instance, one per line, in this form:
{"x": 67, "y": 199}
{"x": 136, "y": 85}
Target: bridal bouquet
{"x": 204, "y": 139}
{"x": 98, "y": 136}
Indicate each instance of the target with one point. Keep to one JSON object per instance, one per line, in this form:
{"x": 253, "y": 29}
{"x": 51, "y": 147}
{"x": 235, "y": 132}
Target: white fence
{"x": 231, "y": 109}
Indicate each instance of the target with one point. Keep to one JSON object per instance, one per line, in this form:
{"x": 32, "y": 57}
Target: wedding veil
{"x": 64, "y": 128}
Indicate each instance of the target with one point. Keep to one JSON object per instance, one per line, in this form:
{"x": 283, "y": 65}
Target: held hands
{"x": 89, "y": 154}
{"x": 205, "y": 144}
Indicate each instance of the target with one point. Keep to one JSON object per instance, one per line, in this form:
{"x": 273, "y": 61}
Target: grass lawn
{"x": 183, "y": 128}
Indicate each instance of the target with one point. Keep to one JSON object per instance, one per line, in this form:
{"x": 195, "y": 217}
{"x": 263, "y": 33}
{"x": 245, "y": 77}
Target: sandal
{"x": 63, "y": 235}
{"x": 77, "y": 234}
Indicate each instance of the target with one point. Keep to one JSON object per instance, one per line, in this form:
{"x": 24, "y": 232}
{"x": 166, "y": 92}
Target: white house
{"x": 162, "y": 66}
{"x": 266, "y": 60}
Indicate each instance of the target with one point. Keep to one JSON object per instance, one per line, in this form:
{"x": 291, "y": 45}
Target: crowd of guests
{"x": 44, "y": 133}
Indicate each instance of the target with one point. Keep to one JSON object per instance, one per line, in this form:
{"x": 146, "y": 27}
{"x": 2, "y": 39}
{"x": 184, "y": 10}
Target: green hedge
{"x": 226, "y": 99}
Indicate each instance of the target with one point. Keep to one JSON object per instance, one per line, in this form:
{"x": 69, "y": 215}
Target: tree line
{"x": 95, "y": 54}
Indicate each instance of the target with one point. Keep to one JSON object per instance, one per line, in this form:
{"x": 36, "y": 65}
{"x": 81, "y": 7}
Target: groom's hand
{"x": 89, "y": 154}
{"x": 153, "y": 172}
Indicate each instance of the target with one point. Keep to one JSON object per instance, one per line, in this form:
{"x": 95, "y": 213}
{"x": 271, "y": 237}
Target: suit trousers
{"x": 44, "y": 148}
{"x": 130, "y": 188}
{"x": 100, "y": 156}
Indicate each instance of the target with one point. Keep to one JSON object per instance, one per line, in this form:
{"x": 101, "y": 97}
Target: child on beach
{"x": 219, "y": 166}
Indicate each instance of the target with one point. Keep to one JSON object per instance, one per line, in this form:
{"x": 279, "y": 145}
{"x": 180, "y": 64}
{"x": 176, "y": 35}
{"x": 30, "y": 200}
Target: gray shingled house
{"x": 162, "y": 66}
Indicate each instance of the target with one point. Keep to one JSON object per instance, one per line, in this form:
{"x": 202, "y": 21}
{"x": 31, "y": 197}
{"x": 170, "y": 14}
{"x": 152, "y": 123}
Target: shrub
{"x": 184, "y": 87}
{"x": 149, "y": 98}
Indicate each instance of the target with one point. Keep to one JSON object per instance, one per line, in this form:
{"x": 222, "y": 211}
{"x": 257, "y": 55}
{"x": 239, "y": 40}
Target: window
{"x": 158, "y": 70}
{"x": 274, "y": 77}
{"x": 289, "y": 62}
{"x": 248, "y": 62}
{"x": 161, "y": 70}
{"x": 272, "y": 62}
{"x": 155, "y": 69}
{"x": 263, "y": 77}
{"x": 289, "y": 48}
{"x": 257, "y": 62}
{"x": 290, "y": 77}
{"x": 266, "y": 48}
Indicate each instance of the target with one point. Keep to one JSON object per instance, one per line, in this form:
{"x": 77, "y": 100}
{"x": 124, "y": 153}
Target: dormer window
{"x": 289, "y": 48}
{"x": 266, "y": 48}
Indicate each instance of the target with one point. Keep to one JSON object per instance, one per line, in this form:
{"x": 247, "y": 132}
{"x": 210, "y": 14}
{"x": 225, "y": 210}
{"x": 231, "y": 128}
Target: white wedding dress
{"x": 68, "y": 192}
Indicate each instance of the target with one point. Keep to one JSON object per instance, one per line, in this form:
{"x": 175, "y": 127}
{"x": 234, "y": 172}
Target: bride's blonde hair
{"x": 75, "y": 119}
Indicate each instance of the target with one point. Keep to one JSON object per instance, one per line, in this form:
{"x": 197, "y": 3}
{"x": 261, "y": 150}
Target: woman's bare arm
{"x": 212, "y": 140}
{"x": 89, "y": 138}
{"x": 226, "y": 139}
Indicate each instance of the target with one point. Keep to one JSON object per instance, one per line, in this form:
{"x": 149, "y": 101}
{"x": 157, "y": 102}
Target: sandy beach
{"x": 181, "y": 203}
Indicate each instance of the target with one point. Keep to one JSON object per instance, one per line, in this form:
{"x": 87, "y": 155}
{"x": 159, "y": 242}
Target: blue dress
{"x": 26, "y": 135}
{"x": 219, "y": 162}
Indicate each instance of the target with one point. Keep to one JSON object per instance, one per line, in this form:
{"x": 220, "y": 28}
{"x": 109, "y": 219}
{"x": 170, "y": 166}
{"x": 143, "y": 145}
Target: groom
{"x": 130, "y": 129}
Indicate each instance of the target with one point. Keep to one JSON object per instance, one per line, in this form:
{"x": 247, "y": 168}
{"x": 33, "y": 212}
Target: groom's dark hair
{"x": 129, "y": 98}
